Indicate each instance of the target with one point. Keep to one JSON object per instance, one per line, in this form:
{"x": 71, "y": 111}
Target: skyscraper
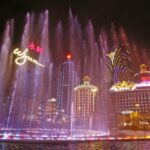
{"x": 84, "y": 104}
{"x": 67, "y": 81}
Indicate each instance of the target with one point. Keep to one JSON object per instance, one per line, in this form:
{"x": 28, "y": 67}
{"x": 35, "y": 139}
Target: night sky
{"x": 134, "y": 15}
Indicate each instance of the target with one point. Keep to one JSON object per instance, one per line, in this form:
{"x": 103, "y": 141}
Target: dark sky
{"x": 134, "y": 15}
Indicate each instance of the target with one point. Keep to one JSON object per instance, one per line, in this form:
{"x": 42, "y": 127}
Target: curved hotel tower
{"x": 84, "y": 104}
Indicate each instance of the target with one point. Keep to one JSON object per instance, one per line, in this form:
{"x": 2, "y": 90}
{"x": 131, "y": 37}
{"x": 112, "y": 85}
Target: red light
{"x": 35, "y": 47}
{"x": 145, "y": 78}
{"x": 69, "y": 56}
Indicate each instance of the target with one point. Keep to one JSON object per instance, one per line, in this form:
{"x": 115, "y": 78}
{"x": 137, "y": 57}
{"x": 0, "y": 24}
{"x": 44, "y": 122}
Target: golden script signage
{"x": 22, "y": 57}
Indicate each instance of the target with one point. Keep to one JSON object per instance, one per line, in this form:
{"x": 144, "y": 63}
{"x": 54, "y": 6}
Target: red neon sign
{"x": 146, "y": 78}
{"x": 35, "y": 47}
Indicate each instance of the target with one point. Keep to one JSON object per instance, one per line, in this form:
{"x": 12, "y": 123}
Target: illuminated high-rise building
{"x": 67, "y": 81}
{"x": 50, "y": 111}
{"x": 38, "y": 117}
{"x": 84, "y": 104}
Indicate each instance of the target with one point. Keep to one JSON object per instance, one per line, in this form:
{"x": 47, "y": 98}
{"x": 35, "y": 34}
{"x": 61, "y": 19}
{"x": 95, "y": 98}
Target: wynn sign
{"x": 22, "y": 57}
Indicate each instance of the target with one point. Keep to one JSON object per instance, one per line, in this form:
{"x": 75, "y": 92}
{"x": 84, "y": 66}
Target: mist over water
{"x": 26, "y": 88}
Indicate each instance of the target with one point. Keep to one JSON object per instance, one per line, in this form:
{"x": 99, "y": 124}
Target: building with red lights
{"x": 67, "y": 81}
{"x": 84, "y": 104}
{"x": 131, "y": 102}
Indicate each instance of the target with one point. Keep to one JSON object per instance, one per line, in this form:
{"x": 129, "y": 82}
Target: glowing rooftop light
{"x": 143, "y": 84}
{"x": 86, "y": 78}
{"x": 123, "y": 86}
{"x": 69, "y": 56}
{"x": 52, "y": 100}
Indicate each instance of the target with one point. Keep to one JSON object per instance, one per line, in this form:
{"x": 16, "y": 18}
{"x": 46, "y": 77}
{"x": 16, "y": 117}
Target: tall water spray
{"x": 20, "y": 92}
{"x": 31, "y": 86}
{"x": 5, "y": 63}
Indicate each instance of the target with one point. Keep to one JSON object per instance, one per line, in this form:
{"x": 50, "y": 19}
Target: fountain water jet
{"x": 5, "y": 64}
{"x": 32, "y": 86}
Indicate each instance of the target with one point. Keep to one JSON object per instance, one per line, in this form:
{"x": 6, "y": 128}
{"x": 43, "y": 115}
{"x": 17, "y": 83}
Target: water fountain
{"x": 26, "y": 88}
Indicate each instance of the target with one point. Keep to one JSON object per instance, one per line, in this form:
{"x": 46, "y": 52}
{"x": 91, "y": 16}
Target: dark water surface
{"x": 91, "y": 145}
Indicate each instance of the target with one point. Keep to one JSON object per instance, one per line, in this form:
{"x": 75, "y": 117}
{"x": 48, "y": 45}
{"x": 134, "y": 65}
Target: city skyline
{"x": 39, "y": 77}
{"x": 131, "y": 102}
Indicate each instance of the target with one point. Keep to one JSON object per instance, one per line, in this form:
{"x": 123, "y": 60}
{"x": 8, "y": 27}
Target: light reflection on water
{"x": 94, "y": 145}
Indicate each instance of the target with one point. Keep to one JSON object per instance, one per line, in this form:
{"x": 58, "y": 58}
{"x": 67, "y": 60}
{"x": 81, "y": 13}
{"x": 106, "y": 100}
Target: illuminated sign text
{"x": 35, "y": 47}
{"x": 22, "y": 57}
{"x": 146, "y": 78}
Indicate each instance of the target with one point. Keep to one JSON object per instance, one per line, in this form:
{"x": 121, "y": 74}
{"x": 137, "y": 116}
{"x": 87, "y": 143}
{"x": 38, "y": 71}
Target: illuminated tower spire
{"x": 144, "y": 73}
{"x": 86, "y": 80}
{"x": 143, "y": 68}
